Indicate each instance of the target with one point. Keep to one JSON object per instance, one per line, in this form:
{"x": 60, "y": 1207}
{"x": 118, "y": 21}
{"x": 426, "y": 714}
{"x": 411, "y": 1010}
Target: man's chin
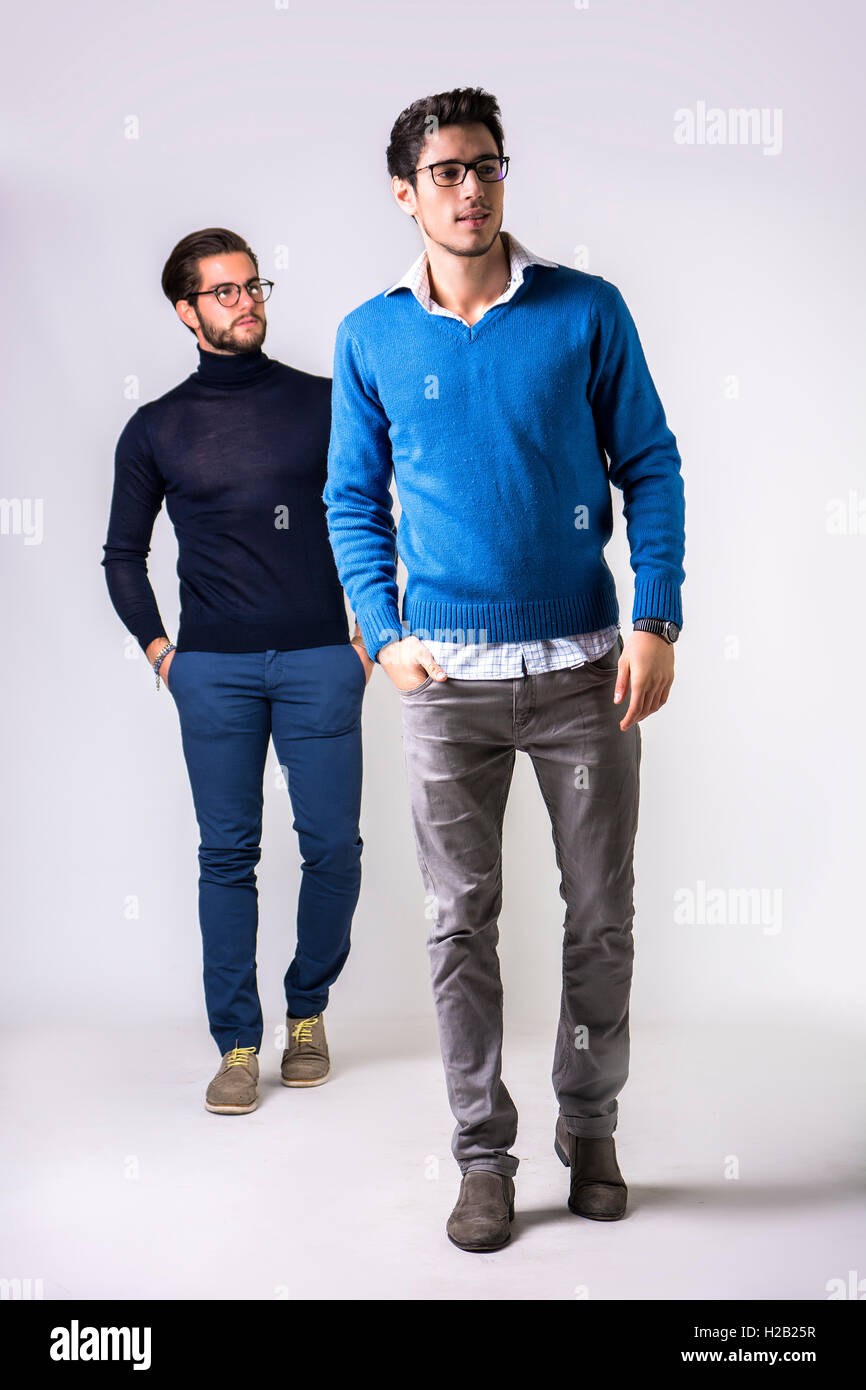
{"x": 477, "y": 250}
{"x": 249, "y": 340}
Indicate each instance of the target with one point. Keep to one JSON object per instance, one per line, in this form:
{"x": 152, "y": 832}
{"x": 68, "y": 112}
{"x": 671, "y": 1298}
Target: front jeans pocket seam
{"x": 415, "y": 689}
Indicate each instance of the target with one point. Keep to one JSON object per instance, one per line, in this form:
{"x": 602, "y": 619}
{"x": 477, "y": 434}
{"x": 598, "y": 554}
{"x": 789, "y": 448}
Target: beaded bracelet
{"x": 164, "y": 653}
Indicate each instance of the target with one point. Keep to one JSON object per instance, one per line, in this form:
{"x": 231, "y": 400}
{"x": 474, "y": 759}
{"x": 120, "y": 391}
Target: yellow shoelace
{"x": 239, "y": 1056}
{"x": 303, "y": 1029}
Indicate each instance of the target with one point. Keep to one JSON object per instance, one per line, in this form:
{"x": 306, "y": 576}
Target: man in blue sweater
{"x": 506, "y": 393}
{"x": 238, "y": 451}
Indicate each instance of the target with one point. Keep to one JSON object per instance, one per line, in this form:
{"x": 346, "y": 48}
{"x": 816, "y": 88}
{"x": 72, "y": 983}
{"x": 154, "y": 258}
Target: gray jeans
{"x": 459, "y": 740}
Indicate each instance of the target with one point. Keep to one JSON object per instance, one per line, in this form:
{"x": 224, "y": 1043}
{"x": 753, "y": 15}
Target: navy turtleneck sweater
{"x": 238, "y": 452}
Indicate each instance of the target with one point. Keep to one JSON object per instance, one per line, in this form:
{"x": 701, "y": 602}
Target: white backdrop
{"x": 742, "y": 265}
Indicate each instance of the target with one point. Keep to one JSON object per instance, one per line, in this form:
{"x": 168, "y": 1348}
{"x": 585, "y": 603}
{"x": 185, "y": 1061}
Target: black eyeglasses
{"x": 229, "y": 294}
{"x": 450, "y": 172}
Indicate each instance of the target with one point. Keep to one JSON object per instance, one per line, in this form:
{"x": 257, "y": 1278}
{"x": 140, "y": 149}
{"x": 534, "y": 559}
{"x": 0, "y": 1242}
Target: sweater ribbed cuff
{"x": 379, "y": 626}
{"x": 657, "y": 597}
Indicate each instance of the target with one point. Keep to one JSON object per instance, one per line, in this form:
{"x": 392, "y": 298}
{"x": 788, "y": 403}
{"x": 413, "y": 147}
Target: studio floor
{"x": 742, "y": 1148}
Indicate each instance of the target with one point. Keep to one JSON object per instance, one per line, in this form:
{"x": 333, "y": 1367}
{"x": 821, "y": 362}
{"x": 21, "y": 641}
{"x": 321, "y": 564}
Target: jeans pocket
{"x": 171, "y": 683}
{"x": 608, "y": 661}
{"x": 353, "y": 652}
{"x": 168, "y": 680}
{"x": 416, "y": 688}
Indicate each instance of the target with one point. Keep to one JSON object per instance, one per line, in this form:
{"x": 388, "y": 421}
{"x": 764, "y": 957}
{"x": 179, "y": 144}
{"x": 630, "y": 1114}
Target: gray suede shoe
{"x": 234, "y": 1089}
{"x": 480, "y": 1220}
{"x": 597, "y": 1187}
{"x": 306, "y": 1060}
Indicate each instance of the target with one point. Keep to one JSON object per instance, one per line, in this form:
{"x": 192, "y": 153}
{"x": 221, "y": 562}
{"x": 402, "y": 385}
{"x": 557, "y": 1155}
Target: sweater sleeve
{"x": 644, "y": 460}
{"x": 139, "y": 490}
{"x": 358, "y": 499}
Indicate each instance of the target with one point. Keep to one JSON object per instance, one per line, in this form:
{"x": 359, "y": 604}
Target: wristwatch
{"x": 660, "y": 626}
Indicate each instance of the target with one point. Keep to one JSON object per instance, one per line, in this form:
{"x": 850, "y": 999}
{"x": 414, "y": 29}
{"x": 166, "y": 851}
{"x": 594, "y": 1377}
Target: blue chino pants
{"x": 230, "y": 705}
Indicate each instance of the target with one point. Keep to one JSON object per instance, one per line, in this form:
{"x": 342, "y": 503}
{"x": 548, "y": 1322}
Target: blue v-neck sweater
{"x": 503, "y": 439}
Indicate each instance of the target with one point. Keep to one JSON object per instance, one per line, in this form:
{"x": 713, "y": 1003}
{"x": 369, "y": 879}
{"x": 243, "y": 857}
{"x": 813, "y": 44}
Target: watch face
{"x": 673, "y": 632}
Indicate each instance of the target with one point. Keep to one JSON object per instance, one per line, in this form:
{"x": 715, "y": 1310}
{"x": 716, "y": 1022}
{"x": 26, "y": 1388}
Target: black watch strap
{"x": 660, "y": 626}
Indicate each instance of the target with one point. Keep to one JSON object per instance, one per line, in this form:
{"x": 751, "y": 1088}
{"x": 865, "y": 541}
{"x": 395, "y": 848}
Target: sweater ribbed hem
{"x": 514, "y": 620}
{"x": 442, "y": 620}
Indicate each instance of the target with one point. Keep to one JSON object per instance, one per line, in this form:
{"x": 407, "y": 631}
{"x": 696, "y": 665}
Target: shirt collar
{"x": 417, "y": 280}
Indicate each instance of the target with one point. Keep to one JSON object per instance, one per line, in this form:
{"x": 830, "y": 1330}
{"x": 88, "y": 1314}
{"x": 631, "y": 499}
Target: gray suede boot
{"x": 597, "y": 1187}
{"x": 480, "y": 1220}
{"x": 234, "y": 1089}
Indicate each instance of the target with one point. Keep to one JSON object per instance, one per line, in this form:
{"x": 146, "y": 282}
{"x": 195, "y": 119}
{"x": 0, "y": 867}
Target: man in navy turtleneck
{"x": 238, "y": 452}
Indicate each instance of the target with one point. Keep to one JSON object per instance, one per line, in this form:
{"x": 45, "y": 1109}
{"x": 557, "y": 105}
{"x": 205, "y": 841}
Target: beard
{"x": 238, "y": 340}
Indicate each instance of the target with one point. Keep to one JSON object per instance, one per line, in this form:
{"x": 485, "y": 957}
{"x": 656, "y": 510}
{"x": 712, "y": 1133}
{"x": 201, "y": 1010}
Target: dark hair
{"x": 462, "y": 106}
{"x": 181, "y": 276}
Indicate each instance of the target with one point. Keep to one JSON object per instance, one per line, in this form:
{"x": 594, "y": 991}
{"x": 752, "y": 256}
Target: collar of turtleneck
{"x": 231, "y": 369}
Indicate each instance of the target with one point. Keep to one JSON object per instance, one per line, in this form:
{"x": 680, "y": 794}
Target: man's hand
{"x": 648, "y": 661}
{"x": 408, "y": 663}
{"x": 358, "y": 644}
{"x": 153, "y": 650}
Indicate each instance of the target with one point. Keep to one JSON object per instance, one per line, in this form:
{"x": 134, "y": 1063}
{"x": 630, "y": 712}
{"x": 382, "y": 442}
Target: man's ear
{"x": 400, "y": 187}
{"x": 187, "y": 315}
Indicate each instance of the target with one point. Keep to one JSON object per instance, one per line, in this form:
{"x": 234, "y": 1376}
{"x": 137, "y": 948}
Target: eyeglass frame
{"x": 234, "y": 284}
{"x": 504, "y": 160}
